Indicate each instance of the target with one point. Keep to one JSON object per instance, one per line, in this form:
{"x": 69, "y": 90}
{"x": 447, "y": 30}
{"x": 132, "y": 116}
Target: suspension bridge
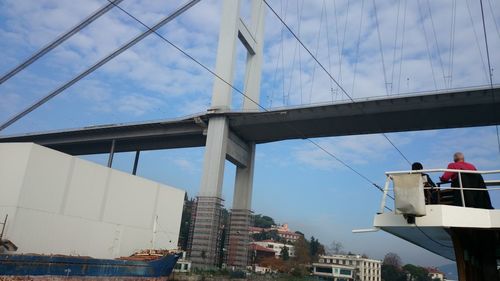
{"x": 229, "y": 134}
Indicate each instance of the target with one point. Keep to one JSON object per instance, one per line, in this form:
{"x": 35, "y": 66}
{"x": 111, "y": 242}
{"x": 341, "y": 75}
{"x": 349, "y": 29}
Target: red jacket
{"x": 448, "y": 176}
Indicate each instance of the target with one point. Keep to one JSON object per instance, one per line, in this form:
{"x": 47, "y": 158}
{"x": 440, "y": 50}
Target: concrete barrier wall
{"x": 59, "y": 204}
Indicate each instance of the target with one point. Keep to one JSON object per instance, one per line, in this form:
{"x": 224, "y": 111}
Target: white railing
{"x": 438, "y": 186}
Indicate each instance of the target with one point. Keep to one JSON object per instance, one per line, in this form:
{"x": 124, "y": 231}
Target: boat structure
{"x": 453, "y": 219}
{"x": 142, "y": 266}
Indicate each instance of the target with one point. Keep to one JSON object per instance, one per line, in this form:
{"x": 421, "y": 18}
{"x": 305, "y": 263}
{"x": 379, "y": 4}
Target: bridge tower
{"x": 222, "y": 143}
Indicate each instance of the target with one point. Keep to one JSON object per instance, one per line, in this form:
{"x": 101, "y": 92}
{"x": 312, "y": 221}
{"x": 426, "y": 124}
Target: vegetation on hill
{"x": 392, "y": 270}
{"x": 263, "y": 221}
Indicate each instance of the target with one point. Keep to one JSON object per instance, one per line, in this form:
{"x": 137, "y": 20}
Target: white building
{"x": 183, "y": 264}
{"x": 364, "y": 269}
{"x": 333, "y": 272}
{"x": 435, "y": 274}
{"x": 276, "y": 247}
{"x": 60, "y": 204}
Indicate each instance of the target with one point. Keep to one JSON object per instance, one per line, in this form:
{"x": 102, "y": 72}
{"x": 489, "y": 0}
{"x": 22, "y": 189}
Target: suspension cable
{"x": 380, "y": 47}
{"x": 427, "y": 44}
{"x": 452, "y": 42}
{"x": 356, "y": 57}
{"x": 100, "y": 63}
{"x": 477, "y": 39}
{"x": 436, "y": 40}
{"x": 494, "y": 19}
{"x": 58, "y": 41}
{"x": 402, "y": 46}
{"x": 317, "y": 49}
{"x": 395, "y": 48}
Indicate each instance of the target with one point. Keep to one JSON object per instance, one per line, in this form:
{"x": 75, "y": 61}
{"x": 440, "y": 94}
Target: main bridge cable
{"x": 59, "y": 40}
{"x": 330, "y": 75}
{"x": 83, "y": 74}
{"x": 252, "y": 100}
{"x": 489, "y": 64}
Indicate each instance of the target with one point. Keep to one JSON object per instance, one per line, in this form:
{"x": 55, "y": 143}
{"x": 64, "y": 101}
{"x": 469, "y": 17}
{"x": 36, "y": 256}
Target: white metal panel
{"x": 13, "y": 161}
{"x": 169, "y": 215}
{"x": 45, "y": 179}
{"x": 70, "y": 221}
{"x": 86, "y": 190}
{"x": 130, "y": 200}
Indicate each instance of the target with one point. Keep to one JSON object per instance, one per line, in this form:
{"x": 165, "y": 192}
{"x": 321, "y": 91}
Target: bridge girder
{"x": 450, "y": 109}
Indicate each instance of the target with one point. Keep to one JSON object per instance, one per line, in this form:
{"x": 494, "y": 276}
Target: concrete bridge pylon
{"x": 222, "y": 143}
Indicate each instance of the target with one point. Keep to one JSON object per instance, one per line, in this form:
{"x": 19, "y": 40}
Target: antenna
{"x": 3, "y": 227}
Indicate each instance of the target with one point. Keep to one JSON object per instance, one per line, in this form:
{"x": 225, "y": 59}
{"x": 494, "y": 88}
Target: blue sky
{"x": 294, "y": 182}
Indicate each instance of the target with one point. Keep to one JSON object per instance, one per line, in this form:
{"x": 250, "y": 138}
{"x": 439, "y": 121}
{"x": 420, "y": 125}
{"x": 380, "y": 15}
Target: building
{"x": 60, "y": 204}
{"x": 258, "y": 252}
{"x": 276, "y": 247}
{"x": 364, "y": 269}
{"x": 183, "y": 264}
{"x": 282, "y": 230}
{"x": 333, "y": 272}
{"x": 435, "y": 274}
{"x": 285, "y": 233}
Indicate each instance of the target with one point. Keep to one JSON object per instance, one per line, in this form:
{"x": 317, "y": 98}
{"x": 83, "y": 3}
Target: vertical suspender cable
{"x": 489, "y": 63}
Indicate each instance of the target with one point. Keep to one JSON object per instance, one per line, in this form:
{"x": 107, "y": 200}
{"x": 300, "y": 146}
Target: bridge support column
{"x": 241, "y": 214}
{"x": 222, "y": 144}
{"x": 207, "y": 236}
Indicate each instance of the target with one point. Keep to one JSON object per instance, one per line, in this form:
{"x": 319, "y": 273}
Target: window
{"x": 345, "y": 271}
{"x": 324, "y": 269}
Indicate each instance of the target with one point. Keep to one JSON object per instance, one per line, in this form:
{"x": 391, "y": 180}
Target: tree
{"x": 285, "y": 255}
{"x": 302, "y": 251}
{"x": 273, "y": 263}
{"x": 263, "y": 221}
{"x": 392, "y": 259}
{"x": 185, "y": 222}
{"x": 417, "y": 273}
{"x": 313, "y": 247}
{"x": 268, "y": 235}
{"x": 335, "y": 248}
{"x": 392, "y": 273}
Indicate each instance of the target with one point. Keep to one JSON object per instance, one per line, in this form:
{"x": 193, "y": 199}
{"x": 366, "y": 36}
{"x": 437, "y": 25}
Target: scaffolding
{"x": 206, "y": 236}
{"x": 238, "y": 238}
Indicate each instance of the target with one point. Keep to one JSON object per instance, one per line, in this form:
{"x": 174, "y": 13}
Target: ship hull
{"x": 40, "y": 265}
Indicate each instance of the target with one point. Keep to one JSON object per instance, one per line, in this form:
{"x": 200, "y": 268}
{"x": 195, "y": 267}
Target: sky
{"x": 294, "y": 182}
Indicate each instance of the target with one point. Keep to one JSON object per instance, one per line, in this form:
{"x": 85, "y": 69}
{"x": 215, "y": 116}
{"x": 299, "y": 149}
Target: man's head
{"x": 417, "y": 166}
{"x": 458, "y": 157}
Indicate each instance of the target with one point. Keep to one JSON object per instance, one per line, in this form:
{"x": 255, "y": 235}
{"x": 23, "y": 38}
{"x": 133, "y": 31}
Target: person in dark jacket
{"x": 430, "y": 194}
{"x": 472, "y": 198}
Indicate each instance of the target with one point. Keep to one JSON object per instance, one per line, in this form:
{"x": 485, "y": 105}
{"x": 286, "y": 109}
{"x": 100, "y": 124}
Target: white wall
{"x": 59, "y": 204}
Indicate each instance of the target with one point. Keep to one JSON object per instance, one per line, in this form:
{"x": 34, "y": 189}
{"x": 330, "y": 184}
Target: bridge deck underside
{"x": 454, "y": 109}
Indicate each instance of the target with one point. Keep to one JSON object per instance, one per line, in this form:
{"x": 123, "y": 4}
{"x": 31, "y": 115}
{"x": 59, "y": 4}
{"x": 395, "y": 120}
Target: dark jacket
{"x": 473, "y": 199}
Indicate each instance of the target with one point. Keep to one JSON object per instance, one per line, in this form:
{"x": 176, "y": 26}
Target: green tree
{"x": 313, "y": 247}
{"x": 301, "y": 247}
{"x": 263, "y": 221}
{"x": 392, "y": 273}
{"x": 285, "y": 255}
{"x": 417, "y": 273}
{"x": 185, "y": 222}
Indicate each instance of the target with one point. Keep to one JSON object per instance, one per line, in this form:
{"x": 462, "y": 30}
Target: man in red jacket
{"x": 459, "y": 164}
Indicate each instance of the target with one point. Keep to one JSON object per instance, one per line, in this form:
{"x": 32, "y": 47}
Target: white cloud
{"x": 353, "y": 150}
